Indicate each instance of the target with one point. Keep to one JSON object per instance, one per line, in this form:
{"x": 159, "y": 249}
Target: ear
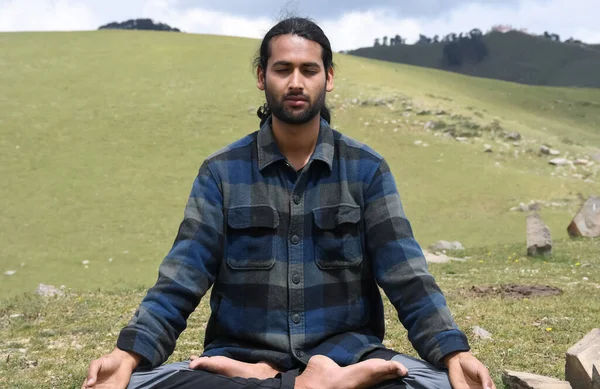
{"x": 260, "y": 78}
{"x": 329, "y": 82}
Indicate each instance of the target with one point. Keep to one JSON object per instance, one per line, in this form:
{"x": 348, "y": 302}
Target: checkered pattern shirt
{"x": 295, "y": 260}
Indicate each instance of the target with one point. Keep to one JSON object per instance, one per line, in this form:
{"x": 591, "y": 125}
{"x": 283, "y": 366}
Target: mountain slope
{"x": 102, "y": 133}
{"x": 514, "y": 56}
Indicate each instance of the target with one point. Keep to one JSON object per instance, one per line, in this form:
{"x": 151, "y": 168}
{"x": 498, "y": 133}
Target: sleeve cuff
{"x": 446, "y": 343}
{"x": 142, "y": 344}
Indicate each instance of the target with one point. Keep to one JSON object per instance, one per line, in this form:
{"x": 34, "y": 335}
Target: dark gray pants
{"x": 421, "y": 375}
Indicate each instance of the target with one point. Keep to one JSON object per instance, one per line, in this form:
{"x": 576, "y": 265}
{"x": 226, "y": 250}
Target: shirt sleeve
{"x": 184, "y": 276}
{"x": 401, "y": 270}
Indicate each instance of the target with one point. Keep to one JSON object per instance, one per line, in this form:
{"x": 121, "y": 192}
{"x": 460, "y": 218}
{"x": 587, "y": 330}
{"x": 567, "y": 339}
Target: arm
{"x": 401, "y": 270}
{"x": 186, "y": 273}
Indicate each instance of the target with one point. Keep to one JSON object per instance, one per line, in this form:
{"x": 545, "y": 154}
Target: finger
{"x": 93, "y": 372}
{"x": 484, "y": 377}
{"x": 198, "y": 362}
{"x": 194, "y": 357}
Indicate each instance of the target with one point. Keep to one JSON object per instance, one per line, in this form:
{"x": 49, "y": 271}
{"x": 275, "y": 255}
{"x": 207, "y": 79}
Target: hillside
{"x": 513, "y": 57}
{"x": 103, "y": 132}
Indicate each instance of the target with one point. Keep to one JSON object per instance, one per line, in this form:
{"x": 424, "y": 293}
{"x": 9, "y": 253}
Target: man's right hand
{"x": 112, "y": 371}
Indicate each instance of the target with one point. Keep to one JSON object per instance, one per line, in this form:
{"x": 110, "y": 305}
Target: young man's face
{"x": 295, "y": 80}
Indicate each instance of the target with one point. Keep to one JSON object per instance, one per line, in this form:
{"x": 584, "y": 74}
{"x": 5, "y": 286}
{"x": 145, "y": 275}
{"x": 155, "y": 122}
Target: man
{"x": 295, "y": 227}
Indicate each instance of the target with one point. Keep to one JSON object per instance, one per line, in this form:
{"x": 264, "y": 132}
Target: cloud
{"x": 46, "y": 15}
{"x": 205, "y": 21}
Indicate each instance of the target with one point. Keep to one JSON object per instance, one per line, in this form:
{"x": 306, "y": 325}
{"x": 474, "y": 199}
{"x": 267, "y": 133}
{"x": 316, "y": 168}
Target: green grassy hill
{"x": 102, "y": 133}
{"x": 514, "y": 56}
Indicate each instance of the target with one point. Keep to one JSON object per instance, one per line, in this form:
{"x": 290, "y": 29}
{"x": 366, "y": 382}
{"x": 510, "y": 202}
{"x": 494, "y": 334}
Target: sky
{"x": 349, "y": 24}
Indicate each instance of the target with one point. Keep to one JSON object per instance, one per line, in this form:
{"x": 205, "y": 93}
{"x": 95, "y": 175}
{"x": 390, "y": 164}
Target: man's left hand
{"x": 467, "y": 372}
{"x": 232, "y": 368}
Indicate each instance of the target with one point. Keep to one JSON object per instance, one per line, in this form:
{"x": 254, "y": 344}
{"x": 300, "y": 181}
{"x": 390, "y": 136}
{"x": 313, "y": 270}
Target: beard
{"x": 294, "y": 116}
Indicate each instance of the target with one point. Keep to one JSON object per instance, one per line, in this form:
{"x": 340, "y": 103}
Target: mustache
{"x": 296, "y": 95}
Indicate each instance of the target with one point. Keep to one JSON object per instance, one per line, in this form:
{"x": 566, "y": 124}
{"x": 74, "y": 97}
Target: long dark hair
{"x": 306, "y": 29}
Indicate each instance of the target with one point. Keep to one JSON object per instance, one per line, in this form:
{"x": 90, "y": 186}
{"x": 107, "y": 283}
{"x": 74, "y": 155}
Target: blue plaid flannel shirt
{"x": 295, "y": 261}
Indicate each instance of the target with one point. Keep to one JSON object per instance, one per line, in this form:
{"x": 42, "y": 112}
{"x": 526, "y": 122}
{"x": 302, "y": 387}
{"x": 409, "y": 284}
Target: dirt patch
{"x": 515, "y": 291}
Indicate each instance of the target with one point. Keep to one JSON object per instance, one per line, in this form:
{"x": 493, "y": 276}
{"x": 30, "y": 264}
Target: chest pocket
{"x": 337, "y": 236}
{"x": 251, "y": 235}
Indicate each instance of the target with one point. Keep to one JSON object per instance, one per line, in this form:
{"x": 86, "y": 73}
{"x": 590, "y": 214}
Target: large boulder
{"x": 580, "y": 360}
{"x": 587, "y": 221}
{"x": 539, "y": 239}
{"x": 521, "y": 380}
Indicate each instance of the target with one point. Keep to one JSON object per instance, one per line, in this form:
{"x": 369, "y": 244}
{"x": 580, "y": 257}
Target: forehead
{"x": 295, "y": 49}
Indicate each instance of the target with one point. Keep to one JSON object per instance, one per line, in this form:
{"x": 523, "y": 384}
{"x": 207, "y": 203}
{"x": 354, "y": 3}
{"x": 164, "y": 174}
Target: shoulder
{"x": 233, "y": 149}
{"x": 350, "y": 147}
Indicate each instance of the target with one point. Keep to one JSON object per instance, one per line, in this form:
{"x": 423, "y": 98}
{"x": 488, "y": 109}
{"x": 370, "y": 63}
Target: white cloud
{"x": 568, "y": 18}
{"x": 46, "y": 15}
{"x": 204, "y": 21}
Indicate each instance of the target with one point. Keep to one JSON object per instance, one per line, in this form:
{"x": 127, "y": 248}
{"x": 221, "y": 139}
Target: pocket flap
{"x": 328, "y": 218}
{"x": 263, "y": 216}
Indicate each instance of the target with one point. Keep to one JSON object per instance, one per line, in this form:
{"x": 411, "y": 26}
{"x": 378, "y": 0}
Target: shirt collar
{"x": 268, "y": 152}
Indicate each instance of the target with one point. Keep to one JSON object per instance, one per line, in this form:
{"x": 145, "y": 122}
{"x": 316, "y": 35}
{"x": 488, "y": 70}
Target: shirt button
{"x": 296, "y": 199}
{"x": 296, "y": 279}
{"x": 295, "y": 239}
{"x": 296, "y": 318}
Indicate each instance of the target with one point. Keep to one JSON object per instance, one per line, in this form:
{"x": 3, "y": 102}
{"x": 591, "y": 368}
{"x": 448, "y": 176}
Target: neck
{"x": 296, "y": 141}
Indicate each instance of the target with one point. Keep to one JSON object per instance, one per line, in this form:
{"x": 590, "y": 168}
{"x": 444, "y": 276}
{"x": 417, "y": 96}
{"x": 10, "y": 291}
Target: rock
{"x": 48, "y": 291}
{"x": 439, "y": 258}
{"x": 587, "y": 221}
{"x": 480, "y": 333}
{"x": 442, "y": 245}
{"x": 355, "y": 101}
{"x": 10, "y": 273}
{"x": 521, "y": 380}
{"x": 487, "y": 148}
{"x": 86, "y": 262}
{"x": 513, "y": 135}
{"x": 545, "y": 150}
{"x": 581, "y": 161}
{"x": 424, "y": 112}
{"x": 559, "y": 161}
{"x": 418, "y": 142}
{"x": 596, "y": 377}
{"x": 554, "y": 152}
{"x": 539, "y": 239}
{"x": 595, "y": 157}
{"x": 580, "y": 359}
{"x": 461, "y": 139}
{"x": 16, "y": 315}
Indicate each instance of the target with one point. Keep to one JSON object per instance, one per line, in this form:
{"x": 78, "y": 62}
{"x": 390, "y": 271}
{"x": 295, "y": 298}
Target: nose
{"x": 296, "y": 80}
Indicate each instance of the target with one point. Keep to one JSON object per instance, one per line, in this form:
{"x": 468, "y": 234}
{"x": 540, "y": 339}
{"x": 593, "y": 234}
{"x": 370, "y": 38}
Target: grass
{"x": 514, "y": 56}
{"x": 101, "y": 134}
{"x": 52, "y": 342}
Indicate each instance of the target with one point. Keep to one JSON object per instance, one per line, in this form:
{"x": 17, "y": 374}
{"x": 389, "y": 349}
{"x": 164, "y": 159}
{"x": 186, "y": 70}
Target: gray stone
{"x": 442, "y": 245}
{"x": 581, "y": 161}
{"x": 513, "y": 135}
{"x": 48, "y": 291}
{"x": 440, "y": 258}
{"x": 521, "y": 380}
{"x": 539, "y": 239}
{"x": 545, "y": 150}
{"x": 559, "y": 161}
{"x": 481, "y": 333}
{"x": 587, "y": 221}
{"x": 487, "y": 148}
{"x": 580, "y": 359}
{"x": 10, "y": 273}
{"x": 554, "y": 152}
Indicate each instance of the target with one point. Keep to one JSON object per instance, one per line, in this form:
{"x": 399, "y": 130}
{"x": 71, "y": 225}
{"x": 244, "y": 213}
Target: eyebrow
{"x": 287, "y": 63}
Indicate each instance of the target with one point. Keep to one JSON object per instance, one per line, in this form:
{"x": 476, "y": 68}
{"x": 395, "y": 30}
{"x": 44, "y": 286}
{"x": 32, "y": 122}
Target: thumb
{"x": 485, "y": 378}
{"x": 93, "y": 372}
